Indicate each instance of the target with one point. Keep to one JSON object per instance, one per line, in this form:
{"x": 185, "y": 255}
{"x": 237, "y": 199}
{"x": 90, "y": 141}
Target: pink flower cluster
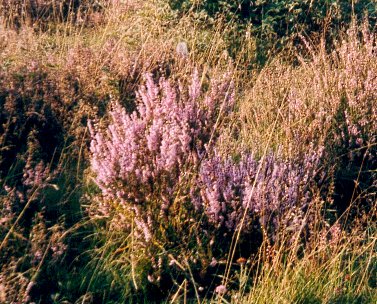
{"x": 142, "y": 155}
{"x": 264, "y": 189}
{"x": 222, "y": 185}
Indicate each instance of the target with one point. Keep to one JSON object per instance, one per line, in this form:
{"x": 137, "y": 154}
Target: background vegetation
{"x": 188, "y": 151}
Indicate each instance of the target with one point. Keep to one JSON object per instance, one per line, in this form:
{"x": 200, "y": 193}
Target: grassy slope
{"x": 108, "y": 60}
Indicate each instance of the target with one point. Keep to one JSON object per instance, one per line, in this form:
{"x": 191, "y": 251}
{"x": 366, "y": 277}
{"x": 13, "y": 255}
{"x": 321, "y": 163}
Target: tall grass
{"x": 270, "y": 200}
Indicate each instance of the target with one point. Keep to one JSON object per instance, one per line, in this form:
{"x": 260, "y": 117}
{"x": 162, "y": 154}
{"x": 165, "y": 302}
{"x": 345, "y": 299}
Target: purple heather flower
{"x": 152, "y": 146}
{"x": 221, "y": 289}
{"x": 231, "y": 191}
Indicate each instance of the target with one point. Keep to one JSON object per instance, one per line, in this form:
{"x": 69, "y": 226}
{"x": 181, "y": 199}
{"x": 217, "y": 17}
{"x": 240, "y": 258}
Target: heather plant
{"x": 235, "y": 194}
{"x": 37, "y": 187}
{"x": 47, "y": 99}
{"x": 28, "y": 212}
{"x": 147, "y": 163}
{"x": 355, "y": 134}
{"x": 143, "y": 161}
{"x": 30, "y": 116}
{"x": 341, "y": 120}
{"x": 171, "y": 131}
{"x": 185, "y": 194}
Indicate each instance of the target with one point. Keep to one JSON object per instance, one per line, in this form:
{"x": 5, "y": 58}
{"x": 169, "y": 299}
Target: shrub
{"x": 161, "y": 182}
{"x": 354, "y": 130}
{"x": 38, "y": 175}
{"x": 144, "y": 160}
{"x": 266, "y": 190}
{"x": 30, "y": 117}
{"x": 141, "y": 158}
{"x": 32, "y": 137}
{"x": 342, "y": 119}
{"x": 45, "y": 103}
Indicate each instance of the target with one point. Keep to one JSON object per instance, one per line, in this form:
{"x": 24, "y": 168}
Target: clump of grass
{"x": 337, "y": 268}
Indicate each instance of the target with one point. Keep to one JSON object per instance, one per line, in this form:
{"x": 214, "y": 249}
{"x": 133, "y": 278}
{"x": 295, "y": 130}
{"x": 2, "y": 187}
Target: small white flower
{"x": 182, "y": 49}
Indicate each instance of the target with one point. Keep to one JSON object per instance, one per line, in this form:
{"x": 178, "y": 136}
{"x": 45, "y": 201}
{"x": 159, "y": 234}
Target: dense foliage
{"x": 276, "y": 22}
